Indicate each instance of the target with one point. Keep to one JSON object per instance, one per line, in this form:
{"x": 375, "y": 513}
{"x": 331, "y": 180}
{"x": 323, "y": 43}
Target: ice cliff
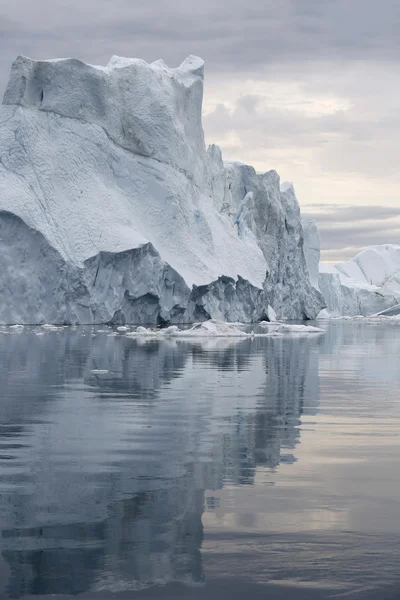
{"x": 112, "y": 209}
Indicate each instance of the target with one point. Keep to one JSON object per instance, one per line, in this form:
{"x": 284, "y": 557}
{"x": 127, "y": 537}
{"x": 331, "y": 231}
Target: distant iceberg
{"x": 366, "y": 285}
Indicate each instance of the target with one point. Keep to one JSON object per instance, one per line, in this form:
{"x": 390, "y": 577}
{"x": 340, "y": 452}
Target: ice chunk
{"x": 215, "y": 328}
{"x": 289, "y": 328}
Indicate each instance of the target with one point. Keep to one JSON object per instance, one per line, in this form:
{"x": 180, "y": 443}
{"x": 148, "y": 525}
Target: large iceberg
{"x": 365, "y": 285}
{"x": 112, "y": 210}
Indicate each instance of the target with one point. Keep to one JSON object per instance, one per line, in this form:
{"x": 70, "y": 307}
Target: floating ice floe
{"x": 385, "y": 316}
{"x": 214, "y": 328}
{"x": 324, "y": 316}
{"x": 289, "y": 328}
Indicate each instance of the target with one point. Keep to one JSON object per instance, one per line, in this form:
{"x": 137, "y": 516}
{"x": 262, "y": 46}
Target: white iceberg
{"x": 365, "y": 285}
{"x": 113, "y": 211}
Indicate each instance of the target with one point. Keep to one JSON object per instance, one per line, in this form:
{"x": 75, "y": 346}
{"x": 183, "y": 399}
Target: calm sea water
{"x": 264, "y": 468}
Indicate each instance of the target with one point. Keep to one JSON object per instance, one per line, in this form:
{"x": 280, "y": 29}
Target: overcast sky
{"x": 310, "y": 88}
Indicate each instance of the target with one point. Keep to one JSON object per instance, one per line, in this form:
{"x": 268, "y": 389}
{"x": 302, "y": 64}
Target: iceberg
{"x": 112, "y": 209}
{"x": 366, "y": 285}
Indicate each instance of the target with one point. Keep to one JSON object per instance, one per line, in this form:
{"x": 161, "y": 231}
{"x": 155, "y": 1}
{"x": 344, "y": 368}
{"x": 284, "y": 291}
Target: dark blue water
{"x": 264, "y": 468}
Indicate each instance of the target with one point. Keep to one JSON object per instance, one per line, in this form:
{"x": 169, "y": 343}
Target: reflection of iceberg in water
{"x": 345, "y": 347}
{"x": 106, "y": 472}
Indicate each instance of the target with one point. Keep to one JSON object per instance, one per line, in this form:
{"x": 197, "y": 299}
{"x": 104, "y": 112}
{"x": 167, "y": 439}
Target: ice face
{"x": 365, "y": 285}
{"x": 312, "y": 246}
{"x": 138, "y": 105}
{"x": 107, "y": 167}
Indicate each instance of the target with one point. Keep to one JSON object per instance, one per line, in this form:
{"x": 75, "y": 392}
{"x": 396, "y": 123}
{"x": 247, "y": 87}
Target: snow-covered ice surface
{"x": 112, "y": 210}
{"x": 365, "y": 285}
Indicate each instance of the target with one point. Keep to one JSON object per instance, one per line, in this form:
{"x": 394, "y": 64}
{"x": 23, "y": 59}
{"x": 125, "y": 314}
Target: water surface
{"x": 150, "y": 469}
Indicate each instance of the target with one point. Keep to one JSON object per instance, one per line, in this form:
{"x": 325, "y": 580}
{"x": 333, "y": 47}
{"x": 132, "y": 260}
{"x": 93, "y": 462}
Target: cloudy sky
{"x": 310, "y": 88}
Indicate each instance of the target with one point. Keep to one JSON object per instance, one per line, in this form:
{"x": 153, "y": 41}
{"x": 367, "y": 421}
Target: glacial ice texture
{"x": 113, "y": 211}
{"x": 365, "y": 285}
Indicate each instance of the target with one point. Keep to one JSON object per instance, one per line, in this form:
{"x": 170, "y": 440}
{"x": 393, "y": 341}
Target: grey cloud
{"x": 361, "y": 140}
{"x": 346, "y": 230}
{"x": 354, "y": 215}
{"x": 249, "y": 102}
{"x": 339, "y": 237}
{"x": 230, "y": 36}
{"x": 340, "y": 255}
{"x": 277, "y": 123}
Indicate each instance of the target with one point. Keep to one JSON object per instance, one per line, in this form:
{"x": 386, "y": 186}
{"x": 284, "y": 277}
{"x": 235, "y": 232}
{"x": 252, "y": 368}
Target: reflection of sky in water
{"x": 272, "y": 460}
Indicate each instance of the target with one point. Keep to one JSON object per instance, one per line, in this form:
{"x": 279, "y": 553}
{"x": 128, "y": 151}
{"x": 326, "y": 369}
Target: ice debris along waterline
{"x": 214, "y": 328}
{"x": 369, "y": 318}
{"x": 112, "y": 209}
